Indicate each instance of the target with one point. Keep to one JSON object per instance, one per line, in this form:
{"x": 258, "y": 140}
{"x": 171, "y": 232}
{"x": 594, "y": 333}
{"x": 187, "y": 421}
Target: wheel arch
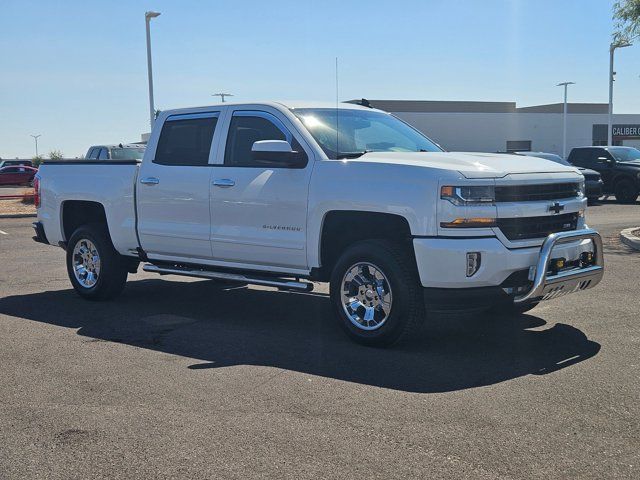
{"x": 75, "y": 213}
{"x": 341, "y": 228}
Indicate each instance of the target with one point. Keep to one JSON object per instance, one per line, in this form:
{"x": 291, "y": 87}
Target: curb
{"x": 18, "y": 215}
{"x": 629, "y": 239}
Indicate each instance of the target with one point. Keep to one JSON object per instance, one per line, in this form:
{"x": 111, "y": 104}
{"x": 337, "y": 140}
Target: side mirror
{"x": 277, "y": 153}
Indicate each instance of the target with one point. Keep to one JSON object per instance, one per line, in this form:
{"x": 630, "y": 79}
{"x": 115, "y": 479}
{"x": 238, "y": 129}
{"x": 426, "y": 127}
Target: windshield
{"x": 360, "y": 131}
{"x": 127, "y": 153}
{"x": 627, "y": 154}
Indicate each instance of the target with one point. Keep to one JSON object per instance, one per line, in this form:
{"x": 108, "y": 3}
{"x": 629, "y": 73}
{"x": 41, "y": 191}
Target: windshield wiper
{"x": 342, "y": 155}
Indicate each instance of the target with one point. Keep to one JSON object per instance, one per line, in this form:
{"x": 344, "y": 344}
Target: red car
{"x": 17, "y": 175}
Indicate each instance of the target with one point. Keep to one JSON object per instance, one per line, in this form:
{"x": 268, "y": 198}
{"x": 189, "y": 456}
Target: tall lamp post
{"x": 564, "y": 118}
{"x": 612, "y": 49}
{"x": 147, "y": 17}
{"x": 222, "y": 95}
{"x": 35, "y": 137}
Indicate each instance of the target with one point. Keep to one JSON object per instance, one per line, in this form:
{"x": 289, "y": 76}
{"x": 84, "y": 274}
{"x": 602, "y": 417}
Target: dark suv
{"x": 618, "y": 166}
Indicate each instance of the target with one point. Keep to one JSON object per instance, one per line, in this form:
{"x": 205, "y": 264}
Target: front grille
{"x": 537, "y": 227}
{"x": 532, "y": 193}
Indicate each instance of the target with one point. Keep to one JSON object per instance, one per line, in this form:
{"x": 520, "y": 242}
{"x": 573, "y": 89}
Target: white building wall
{"x": 489, "y": 132}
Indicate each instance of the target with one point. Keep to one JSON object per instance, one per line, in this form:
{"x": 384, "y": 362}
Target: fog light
{"x": 473, "y": 263}
{"x": 557, "y": 264}
{"x": 586, "y": 259}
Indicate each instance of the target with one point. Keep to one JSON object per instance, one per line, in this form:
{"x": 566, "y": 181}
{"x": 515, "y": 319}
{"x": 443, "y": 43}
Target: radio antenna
{"x": 337, "y": 114}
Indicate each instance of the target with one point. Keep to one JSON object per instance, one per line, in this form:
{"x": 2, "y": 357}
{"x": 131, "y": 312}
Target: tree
{"x": 56, "y": 155}
{"x": 626, "y": 14}
{"x": 36, "y": 160}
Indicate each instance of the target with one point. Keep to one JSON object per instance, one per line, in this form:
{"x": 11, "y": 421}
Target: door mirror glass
{"x": 277, "y": 152}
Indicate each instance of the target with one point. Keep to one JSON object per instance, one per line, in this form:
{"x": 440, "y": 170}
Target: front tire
{"x": 96, "y": 270}
{"x": 376, "y": 293}
{"x": 626, "y": 192}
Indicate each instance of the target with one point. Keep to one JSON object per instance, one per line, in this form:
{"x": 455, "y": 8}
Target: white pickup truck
{"x": 286, "y": 195}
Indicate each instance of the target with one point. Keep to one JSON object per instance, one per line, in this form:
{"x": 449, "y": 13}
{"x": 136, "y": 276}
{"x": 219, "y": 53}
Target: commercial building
{"x": 502, "y": 126}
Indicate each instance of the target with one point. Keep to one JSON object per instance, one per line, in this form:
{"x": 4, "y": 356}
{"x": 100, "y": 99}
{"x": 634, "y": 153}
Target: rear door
{"x": 259, "y": 211}
{"x": 173, "y": 188}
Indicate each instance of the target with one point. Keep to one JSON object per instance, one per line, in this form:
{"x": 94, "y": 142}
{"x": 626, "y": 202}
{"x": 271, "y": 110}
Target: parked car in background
{"x": 618, "y": 166}
{"x": 594, "y": 186}
{"x": 8, "y": 163}
{"x": 17, "y": 175}
{"x": 121, "y": 151}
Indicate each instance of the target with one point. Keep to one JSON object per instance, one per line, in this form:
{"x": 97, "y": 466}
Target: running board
{"x": 232, "y": 277}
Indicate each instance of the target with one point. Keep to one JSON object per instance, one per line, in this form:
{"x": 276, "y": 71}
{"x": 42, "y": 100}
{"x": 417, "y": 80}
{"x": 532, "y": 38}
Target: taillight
{"x": 36, "y": 192}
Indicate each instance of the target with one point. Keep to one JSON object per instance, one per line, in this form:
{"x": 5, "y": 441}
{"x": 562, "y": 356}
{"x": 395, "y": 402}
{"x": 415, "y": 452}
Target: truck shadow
{"x": 225, "y": 327}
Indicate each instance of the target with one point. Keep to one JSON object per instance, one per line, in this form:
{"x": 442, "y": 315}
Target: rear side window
{"x": 103, "y": 154}
{"x": 186, "y": 141}
{"x": 578, "y": 156}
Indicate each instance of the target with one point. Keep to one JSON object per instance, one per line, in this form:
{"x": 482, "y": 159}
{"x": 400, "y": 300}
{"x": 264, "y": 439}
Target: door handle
{"x": 149, "y": 181}
{"x": 224, "y": 182}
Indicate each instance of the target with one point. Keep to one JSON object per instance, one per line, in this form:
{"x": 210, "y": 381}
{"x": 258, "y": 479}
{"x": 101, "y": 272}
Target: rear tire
{"x": 96, "y": 270}
{"x": 626, "y": 192}
{"x": 376, "y": 293}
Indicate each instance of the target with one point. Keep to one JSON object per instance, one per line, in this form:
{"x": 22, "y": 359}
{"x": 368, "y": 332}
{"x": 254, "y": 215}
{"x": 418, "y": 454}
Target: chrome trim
{"x": 86, "y": 263}
{"x": 233, "y": 277}
{"x": 150, "y": 181}
{"x": 223, "y": 182}
{"x": 546, "y": 287}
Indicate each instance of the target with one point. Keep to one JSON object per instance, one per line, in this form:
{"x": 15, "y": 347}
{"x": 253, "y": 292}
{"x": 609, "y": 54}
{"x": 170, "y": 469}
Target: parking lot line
{"x": 3, "y": 233}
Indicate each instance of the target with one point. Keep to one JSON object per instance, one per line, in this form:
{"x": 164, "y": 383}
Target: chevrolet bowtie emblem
{"x": 556, "y": 207}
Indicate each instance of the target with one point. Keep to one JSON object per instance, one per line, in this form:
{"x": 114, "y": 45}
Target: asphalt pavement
{"x": 183, "y": 378}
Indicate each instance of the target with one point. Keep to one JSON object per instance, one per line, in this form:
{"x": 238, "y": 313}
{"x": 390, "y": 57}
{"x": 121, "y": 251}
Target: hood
{"x": 630, "y": 163}
{"x": 469, "y": 164}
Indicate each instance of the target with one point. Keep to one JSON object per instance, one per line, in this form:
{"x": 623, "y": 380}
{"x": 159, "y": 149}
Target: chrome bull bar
{"x": 546, "y": 287}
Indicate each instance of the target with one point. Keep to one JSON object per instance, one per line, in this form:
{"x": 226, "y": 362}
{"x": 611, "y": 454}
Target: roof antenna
{"x": 337, "y": 115}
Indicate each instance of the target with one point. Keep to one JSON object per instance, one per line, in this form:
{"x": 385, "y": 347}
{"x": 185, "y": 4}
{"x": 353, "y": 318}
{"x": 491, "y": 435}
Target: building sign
{"x": 627, "y": 131}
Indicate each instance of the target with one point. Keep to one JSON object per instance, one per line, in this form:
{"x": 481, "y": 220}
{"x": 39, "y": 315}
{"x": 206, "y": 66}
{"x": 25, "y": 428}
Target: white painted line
{"x": 3, "y": 233}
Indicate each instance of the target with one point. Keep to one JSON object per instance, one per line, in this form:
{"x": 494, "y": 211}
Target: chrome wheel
{"x": 366, "y": 296}
{"x": 86, "y": 263}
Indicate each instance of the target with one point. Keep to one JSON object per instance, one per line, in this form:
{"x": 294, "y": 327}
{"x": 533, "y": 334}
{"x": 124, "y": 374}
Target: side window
{"x": 244, "y": 131}
{"x": 103, "y": 154}
{"x": 186, "y": 141}
{"x": 578, "y": 157}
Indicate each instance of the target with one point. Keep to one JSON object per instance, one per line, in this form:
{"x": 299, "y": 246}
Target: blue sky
{"x": 75, "y": 71}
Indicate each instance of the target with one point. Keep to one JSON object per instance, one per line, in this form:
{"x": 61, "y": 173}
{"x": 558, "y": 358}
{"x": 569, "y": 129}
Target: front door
{"x": 173, "y": 189}
{"x": 259, "y": 210}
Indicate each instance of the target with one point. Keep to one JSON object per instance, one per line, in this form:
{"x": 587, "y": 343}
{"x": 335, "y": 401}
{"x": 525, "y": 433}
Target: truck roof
{"x": 288, "y": 104}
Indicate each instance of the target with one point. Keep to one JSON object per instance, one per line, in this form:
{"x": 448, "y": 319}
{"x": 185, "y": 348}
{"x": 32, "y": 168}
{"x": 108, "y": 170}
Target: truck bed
{"x": 110, "y": 183}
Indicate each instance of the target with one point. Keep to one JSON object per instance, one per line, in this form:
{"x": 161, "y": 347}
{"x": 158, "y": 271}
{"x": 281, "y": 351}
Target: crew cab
{"x": 618, "y": 166}
{"x": 287, "y": 195}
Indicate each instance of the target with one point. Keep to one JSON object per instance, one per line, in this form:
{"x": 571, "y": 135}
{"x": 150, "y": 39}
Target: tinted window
{"x": 185, "y": 142}
{"x": 580, "y": 156}
{"x": 103, "y": 154}
{"x": 243, "y": 132}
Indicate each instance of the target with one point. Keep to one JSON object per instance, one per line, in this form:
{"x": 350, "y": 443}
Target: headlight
{"x": 472, "y": 195}
{"x": 581, "y": 188}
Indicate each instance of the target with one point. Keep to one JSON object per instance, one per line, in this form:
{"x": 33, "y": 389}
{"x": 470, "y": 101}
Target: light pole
{"x": 147, "y": 17}
{"x": 222, "y": 95}
{"x": 35, "y": 137}
{"x": 564, "y": 118}
{"x": 612, "y": 49}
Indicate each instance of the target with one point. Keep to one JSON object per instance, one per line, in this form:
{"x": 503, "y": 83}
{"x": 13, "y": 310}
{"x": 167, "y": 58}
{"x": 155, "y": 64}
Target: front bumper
{"x": 594, "y": 188}
{"x": 520, "y": 274}
{"x": 548, "y": 285}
